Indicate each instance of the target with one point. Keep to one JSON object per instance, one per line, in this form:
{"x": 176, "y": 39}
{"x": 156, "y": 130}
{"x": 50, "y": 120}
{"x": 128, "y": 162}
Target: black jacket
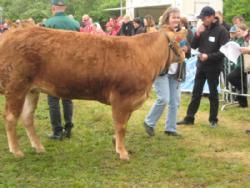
{"x": 127, "y": 29}
{"x": 227, "y": 26}
{"x": 140, "y": 30}
{"x": 209, "y": 42}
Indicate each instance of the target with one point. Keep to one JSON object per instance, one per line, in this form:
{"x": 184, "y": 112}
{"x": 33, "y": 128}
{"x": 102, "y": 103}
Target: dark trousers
{"x": 239, "y": 80}
{"x": 55, "y": 114}
{"x": 213, "y": 81}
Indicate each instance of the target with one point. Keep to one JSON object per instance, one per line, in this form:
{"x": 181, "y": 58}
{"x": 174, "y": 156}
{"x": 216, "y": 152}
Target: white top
{"x": 173, "y": 68}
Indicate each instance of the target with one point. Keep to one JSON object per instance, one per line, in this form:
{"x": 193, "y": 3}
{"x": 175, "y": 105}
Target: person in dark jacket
{"x": 209, "y": 37}
{"x": 60, "y": 21}
{"x": 220, "y": 16}
{"x": 246, "y": 50}
{"x": 138, "y": 25}
{"x": 127, "y": 28}
{"x": 237, "y": 77}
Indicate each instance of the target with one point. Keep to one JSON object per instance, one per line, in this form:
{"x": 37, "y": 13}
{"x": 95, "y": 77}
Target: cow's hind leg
{"x": 27, "y": 118}
{"x": 120, "y": 118}
{"x": 13, "y": 108}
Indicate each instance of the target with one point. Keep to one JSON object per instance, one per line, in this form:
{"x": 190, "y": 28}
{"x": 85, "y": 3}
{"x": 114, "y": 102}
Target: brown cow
{"x": 118, "y": 71}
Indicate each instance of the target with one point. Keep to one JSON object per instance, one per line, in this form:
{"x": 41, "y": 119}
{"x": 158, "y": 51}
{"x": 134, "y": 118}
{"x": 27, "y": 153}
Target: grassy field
{"x": 202, "y": 157}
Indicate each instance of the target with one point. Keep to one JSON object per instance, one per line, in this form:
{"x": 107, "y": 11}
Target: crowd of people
{"x": 208, "y": 36}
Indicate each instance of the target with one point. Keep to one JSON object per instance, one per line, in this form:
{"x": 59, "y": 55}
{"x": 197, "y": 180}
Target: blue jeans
{"x": 168, "y": 92}
{"x": 55, "y": 114}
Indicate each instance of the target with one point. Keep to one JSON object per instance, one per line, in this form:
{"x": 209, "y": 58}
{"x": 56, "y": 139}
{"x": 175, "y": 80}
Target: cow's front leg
{"x": 120, "y": 118}
{"x": 119, "y": 144}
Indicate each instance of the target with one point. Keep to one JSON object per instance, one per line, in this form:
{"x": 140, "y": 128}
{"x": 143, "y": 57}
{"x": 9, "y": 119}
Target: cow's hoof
{"x": 18, "y": 154}
{"x": 124, "y": 157}
{"x": 40, "y": 150}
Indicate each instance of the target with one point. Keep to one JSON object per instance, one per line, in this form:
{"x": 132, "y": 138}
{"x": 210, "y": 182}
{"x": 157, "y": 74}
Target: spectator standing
{"x": 166, "y": 85}
{"x": 127, "y": 28}
{"x": 209, "y": 37}
{"x": 238, "y": 20}
{"x": 87, "y": 24}
{"x": 97, "y": 29}
{"x": 237, "y": 77}
{"x": 192, "y": 23}
{"x": 220, "y": 16}
{"x": 233, "y": 33}
{"x": 185, "y": 25}
{"x": 60, "y": 21}
{"x": 246, "y": 50}
{"x": 149, "y": 24}
{"x": 138, "y": 26}
{"x": 228, "y": 65}
{"x": 113, "y": 26}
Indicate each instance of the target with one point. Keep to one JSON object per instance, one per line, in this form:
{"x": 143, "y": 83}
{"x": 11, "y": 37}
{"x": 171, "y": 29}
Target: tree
{"x": 19, "y": 9}
{"x": 236, "y": 8}
{"x": 95, "y": 8}
{"x": 39, "y": 9}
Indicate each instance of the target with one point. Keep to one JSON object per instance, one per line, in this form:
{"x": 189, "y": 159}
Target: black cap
{"x": 206, "y": 11}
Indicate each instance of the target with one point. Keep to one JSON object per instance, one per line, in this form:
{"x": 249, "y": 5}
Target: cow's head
{"x": 174, "y": 39}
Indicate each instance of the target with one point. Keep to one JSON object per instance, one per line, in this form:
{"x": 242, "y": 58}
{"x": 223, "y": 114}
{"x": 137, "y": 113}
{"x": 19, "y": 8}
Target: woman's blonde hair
{"x": 166, "y": 14}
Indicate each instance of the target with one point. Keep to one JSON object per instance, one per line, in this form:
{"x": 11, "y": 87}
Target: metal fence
{"x": 229, "y": 92}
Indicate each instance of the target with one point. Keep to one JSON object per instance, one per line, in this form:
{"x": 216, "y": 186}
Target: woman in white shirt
{"x": 166, "y": 85}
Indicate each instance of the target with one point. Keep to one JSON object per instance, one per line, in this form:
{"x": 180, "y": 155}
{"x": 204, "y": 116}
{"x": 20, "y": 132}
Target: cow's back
{"x": 79, "y": 65}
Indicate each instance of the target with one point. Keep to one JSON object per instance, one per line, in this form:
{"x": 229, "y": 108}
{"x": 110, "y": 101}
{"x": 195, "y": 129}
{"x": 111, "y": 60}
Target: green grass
{"x": 203, "y": 157}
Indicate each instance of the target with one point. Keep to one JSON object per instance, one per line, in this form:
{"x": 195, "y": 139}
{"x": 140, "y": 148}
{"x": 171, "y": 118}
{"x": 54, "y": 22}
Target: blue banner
{"x": 188, "y": 85}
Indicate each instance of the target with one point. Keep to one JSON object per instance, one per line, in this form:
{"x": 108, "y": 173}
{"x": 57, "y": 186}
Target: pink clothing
{"x": 113, "y": 27}
{"x": 87, "y": 29}
{"x": 92, "y": 29}
{"x": 88, "y": 26}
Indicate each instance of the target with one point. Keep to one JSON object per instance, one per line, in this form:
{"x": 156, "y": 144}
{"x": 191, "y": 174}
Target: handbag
{"x": 246, "y": 62}
{"x": 181, "y": 72}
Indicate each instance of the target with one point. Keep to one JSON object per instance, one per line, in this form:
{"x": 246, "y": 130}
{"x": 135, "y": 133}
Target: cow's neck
{"x": 161, "y": 54}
